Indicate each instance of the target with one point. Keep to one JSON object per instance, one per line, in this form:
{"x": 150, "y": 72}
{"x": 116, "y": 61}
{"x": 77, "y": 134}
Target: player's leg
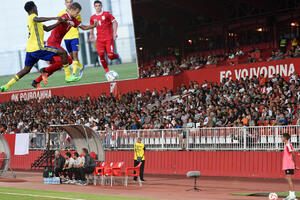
{"x": 110, "y": 49}
{"x": 64, "y": 59}
{"x": 74, "y": 48}
{"x": 16, "y": 78}
{"x": 101, "y": 52}
{"x": 47, "y": 54}
{"x": 291, "y": 185}
{"x": 56, "y": 65}
{"x": 30, "y": 60}
{"x": 61, "y": 59}
{"x": 76, "y": 65}
{"x": 58, "y": 60}
{"x": 45, "y": 74}
{"x": 65, "y": 63}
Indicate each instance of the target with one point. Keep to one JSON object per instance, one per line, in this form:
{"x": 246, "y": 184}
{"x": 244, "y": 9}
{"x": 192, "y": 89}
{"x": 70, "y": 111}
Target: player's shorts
{"x": 72, "y": 45}
{"x": 56, "y": 45}
{"x": 289, "y": 172}
{"x": 57, "y": 58}
{"x": 46, "y": 54}
{"x": 108, "y": 45}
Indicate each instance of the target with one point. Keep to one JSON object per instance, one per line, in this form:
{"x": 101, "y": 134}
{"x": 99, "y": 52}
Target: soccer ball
{"x": 273, "y": 196}
{"x": 112, "y": 76}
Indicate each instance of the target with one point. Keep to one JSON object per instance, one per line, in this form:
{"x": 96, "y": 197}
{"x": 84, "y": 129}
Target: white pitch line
{"x": 34, "y": 195}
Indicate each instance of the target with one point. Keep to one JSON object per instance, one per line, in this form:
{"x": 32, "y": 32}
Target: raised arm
{"x": 44, "y": 19}
{"x": 51, "y": 27}
{"x": 88, "y": 27}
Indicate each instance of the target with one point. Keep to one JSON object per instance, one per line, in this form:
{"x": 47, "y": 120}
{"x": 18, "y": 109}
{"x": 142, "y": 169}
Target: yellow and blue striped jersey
{"x": 36, "y": 35}
{"x": 73, "y": 33}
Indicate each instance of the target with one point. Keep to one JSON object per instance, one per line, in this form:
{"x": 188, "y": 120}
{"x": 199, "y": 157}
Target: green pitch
{"x": 91, "y": 75}
{"x": 28, "y": 194}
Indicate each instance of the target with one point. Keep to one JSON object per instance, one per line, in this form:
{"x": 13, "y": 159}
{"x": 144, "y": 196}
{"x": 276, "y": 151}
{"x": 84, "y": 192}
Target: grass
{"x": 91, "y": 75}
{"x": 30, "y": 194}
{"x": 280, "y": 194}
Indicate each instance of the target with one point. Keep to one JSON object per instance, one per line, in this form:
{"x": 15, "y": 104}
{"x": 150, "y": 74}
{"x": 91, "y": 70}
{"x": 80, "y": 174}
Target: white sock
{"x": 292, "y": 194}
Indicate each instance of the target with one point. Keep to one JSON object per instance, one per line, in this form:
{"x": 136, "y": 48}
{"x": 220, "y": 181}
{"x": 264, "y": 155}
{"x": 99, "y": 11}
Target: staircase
{"x": 45, "y": 160}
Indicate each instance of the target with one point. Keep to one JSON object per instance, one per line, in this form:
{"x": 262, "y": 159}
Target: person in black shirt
{"x": 59, "y": 162}
{"x": 88, "y": 168}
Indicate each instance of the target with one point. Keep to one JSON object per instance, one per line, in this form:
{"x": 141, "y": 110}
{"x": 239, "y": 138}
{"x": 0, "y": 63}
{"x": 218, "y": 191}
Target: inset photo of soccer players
{"x": 66, "y": 42}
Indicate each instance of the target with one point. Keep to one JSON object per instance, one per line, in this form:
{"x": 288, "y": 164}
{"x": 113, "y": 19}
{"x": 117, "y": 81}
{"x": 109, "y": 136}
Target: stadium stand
{"x": 250, "y": 102}
{"x": 248, "y": 54}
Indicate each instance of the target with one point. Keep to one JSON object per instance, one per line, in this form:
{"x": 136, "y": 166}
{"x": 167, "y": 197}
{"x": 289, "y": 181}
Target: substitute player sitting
{"x": 72, "y": 42}
{"x": 106, "y": 33}
{"x": 55, "y": 40}
{"x": 36, "y": 48}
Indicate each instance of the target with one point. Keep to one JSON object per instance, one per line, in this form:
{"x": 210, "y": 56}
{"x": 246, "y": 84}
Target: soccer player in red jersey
{"x": 55, "y": 39}
{"x": 106, "y": 33}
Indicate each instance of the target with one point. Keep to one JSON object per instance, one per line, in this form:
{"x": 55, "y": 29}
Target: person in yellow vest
{"x": 283, "y": 43}
{"x": 139, "y": 156}
{"x": 294, "y": 44}
{"x": 72, "y": 43}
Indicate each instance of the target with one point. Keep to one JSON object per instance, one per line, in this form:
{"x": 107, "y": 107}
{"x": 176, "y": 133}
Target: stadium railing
{"x": 258, "y": 138}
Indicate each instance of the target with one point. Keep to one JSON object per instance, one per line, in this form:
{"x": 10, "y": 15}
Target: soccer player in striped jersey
{"x": 36, "y": 48}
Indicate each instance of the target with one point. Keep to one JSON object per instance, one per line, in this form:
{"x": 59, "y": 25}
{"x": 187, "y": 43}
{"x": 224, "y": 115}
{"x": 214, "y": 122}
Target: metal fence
{"x": 266, "y": 138}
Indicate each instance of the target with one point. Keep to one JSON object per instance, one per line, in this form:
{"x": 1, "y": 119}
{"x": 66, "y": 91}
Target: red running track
{"x": 164, "y": 187}
{"x": 257, "y": 164}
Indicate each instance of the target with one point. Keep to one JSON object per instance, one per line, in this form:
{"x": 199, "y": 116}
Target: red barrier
{"x": 11, "y": 138}
{"x": 283, "y": 67}
{"x": 210, "y": 163}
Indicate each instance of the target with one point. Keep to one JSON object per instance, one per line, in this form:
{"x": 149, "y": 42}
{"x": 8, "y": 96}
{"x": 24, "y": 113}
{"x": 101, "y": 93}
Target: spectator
{"x": 239, "y": 52}
{"x": 298, "y": 119}
{"x": 190, "y": 124}
{"x": 282, "y": 120}
{"x": 227, "y": 101}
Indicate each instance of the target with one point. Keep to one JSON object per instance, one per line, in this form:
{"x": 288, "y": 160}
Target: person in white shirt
{"x": 78, "y": 163}
{"x": 232, "y": 56}
{"x": 239, "y": 52}
{"x": 69, "y": 167}
{"x": 180, "y": 100}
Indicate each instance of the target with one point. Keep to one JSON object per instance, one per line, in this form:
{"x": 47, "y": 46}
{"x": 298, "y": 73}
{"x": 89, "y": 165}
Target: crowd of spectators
{"x": 244, "y": 102}
{"x": 171, "y": 66}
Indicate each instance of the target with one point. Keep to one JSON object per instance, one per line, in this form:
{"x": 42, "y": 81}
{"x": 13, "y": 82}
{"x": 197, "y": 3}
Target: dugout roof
{"x": 84, "y": 137}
